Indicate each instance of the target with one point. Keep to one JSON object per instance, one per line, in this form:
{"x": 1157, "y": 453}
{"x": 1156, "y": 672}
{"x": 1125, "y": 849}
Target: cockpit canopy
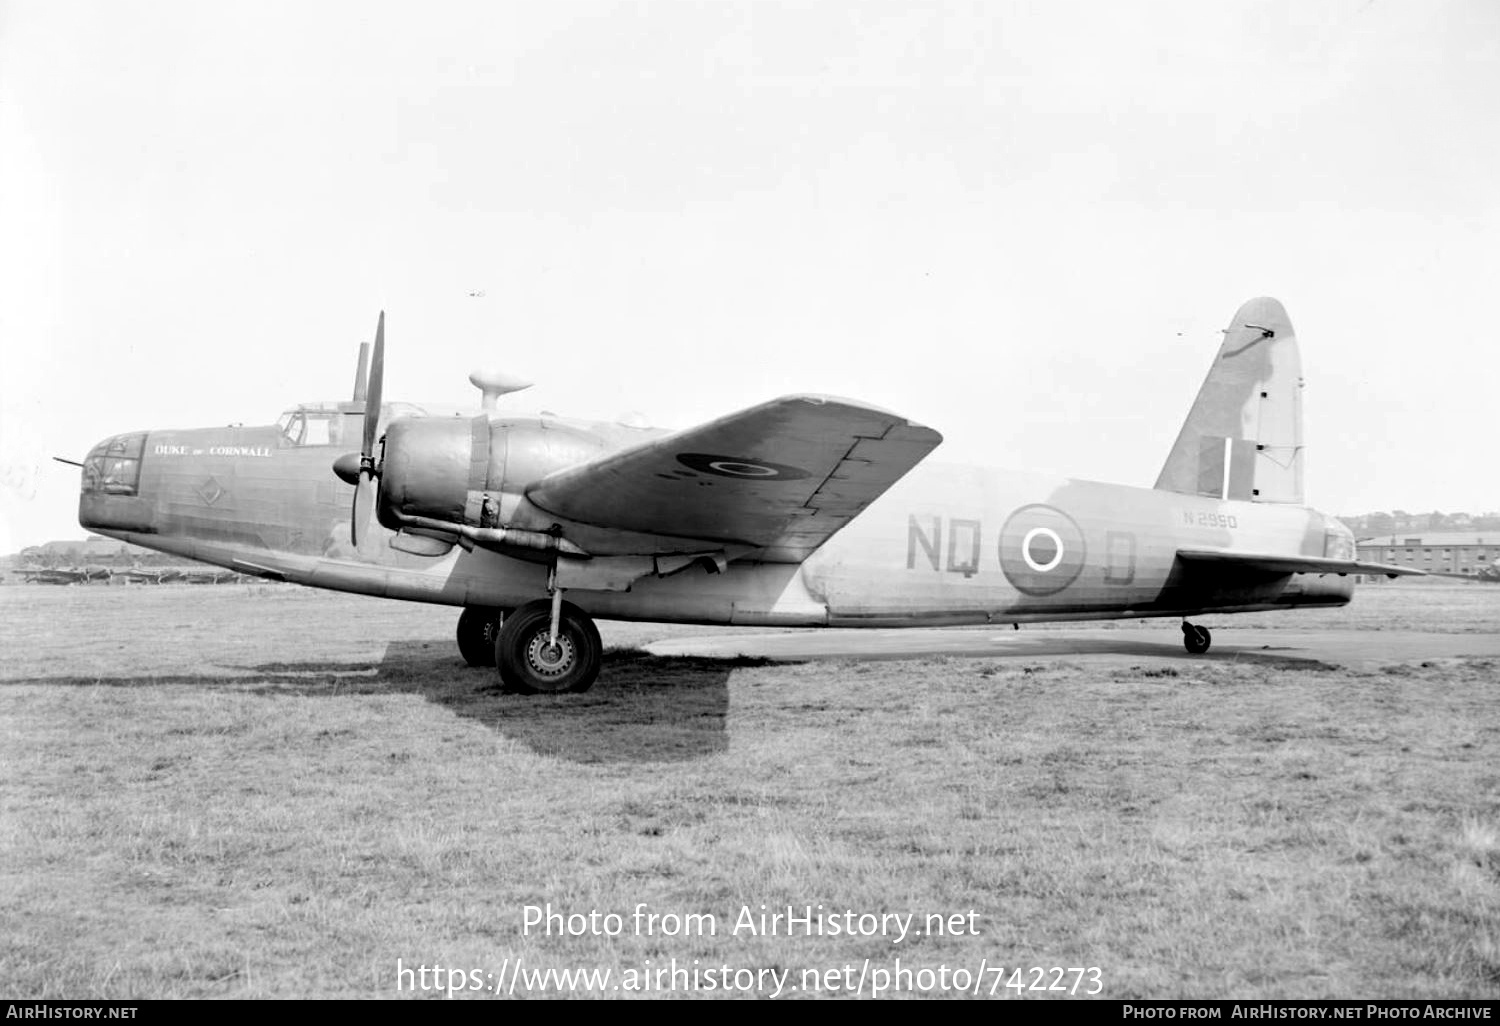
{"x": 322, "y": 424}
{"x": 339, "y": 424}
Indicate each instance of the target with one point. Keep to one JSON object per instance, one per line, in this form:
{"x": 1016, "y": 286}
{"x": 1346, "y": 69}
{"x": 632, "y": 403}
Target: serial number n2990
{"x": 1193, "y": 519}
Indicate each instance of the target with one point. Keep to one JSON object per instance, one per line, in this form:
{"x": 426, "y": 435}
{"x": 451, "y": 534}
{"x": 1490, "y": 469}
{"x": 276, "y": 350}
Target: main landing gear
{"x": 545, "y": 646}
{"x": 549, "y": 646}
{"x": 478, "y": 630}
{"x": 1195, "y": 639}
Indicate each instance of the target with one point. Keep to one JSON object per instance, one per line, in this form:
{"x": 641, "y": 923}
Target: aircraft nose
{"x": 110, "y": 495}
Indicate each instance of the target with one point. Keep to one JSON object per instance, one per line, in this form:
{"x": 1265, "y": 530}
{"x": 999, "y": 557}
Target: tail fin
{"x": 1243, "y": 437}
{"x": 362, "y": 373}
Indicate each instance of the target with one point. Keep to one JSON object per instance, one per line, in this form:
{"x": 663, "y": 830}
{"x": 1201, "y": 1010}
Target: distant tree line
{"x": 105, "y": 552}
{"x": 1370, "y": 525}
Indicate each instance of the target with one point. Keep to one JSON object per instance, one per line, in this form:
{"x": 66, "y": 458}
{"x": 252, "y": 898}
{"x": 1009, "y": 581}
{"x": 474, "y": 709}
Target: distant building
{"x": 94, "y": 550}
{"x": 1438, "y": 552}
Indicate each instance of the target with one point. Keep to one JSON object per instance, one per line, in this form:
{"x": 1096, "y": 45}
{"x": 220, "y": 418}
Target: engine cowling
{"x": 457, "y": 471}
{"x": 431, "y": 466}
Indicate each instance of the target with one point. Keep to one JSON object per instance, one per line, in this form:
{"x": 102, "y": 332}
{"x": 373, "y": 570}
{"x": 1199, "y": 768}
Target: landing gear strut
{"x": 550, "y": 646}
{"x": 1195, "y": 639}
{"x": 478, "y": 627}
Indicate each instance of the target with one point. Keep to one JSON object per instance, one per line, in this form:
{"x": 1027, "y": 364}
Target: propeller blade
{"x": 365, "y": 487}
{"x": 373, "y": 389}
{"x": 364, "y": 499}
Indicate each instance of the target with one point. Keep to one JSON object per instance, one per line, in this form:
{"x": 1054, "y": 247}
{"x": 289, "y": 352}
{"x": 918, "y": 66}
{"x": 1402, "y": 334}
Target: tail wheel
{"x": 478, "y": 629}
{"x": 1196, "y": 639}
{"x": 529, "y": 661}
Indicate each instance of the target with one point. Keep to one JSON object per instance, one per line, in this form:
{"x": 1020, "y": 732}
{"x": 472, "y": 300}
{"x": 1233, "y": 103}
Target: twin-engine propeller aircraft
{"x": 806, "y": 511}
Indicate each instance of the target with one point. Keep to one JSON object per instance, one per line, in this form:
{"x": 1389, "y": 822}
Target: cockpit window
{"x": 114, "y": 465}
{"x": 310, "y": 427}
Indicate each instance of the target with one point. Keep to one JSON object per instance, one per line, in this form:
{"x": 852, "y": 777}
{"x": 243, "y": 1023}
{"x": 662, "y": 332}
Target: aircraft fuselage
{"x": 946, "y": 545}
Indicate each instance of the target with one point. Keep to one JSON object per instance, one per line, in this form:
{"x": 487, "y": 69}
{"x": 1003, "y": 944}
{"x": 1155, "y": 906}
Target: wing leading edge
{"x": 1279, "y": 564}
{"x": 782, "y": 477}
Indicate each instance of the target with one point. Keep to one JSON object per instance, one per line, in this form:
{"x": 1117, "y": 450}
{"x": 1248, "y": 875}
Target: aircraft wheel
{"x": 1196, "y": 639}
{"x": 478, "y": 627}
{"x": 528, "y": 663}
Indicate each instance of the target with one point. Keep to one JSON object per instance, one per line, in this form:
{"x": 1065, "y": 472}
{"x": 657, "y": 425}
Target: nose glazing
{"x": 109, "y": 498}
{"x": 113, "y": 467}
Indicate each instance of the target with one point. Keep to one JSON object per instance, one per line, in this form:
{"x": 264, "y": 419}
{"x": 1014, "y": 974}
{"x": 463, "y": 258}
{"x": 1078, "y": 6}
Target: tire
{"x": 525, "y": 662}
{"x": 1196, "y": 639}
{"x": 478, "y": 628}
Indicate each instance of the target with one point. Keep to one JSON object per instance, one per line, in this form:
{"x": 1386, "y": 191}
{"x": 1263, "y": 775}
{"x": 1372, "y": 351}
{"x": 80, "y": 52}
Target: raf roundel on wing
{"x": 742, "y": 467}
{"x": 1041, "y": 550}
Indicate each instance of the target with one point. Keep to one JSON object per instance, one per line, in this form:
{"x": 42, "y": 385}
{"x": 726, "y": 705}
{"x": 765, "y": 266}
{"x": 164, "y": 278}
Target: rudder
{"x": 1243, "y": 437}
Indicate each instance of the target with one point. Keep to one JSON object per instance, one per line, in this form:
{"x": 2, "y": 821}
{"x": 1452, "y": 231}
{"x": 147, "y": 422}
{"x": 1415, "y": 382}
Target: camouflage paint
{"x": 934, "y": 550}
{"x": 944, "y": 545}
{"x": 1250, "y": 410}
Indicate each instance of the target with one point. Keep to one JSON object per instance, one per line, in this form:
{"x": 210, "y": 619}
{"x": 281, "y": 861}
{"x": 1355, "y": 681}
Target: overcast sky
{"x": 1021, "y": 223}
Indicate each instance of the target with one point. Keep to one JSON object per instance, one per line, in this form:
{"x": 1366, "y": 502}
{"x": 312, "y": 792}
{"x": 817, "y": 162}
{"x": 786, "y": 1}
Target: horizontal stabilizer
{"x": 781, "y": 477}
{"x": 1278, "y": 564}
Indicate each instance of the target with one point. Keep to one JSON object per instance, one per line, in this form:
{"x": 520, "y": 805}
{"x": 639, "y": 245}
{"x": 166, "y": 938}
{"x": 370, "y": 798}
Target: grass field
{"x": 266, "y": 791}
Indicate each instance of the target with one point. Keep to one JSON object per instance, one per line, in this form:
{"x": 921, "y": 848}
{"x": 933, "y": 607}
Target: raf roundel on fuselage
{"x": 1042, "y": 550}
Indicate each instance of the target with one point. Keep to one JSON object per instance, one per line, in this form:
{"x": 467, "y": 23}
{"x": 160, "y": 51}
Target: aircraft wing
{"x": 1280, "y": 564}
{"x": 782, "y": 477}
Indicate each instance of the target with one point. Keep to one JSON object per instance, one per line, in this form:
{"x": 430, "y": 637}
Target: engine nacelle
{"x": 454, "y": 471}
{"x": 431, "y": 466}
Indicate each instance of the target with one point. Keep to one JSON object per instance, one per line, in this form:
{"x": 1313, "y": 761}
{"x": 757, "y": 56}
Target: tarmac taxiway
{"x": 1346, "y": 648}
